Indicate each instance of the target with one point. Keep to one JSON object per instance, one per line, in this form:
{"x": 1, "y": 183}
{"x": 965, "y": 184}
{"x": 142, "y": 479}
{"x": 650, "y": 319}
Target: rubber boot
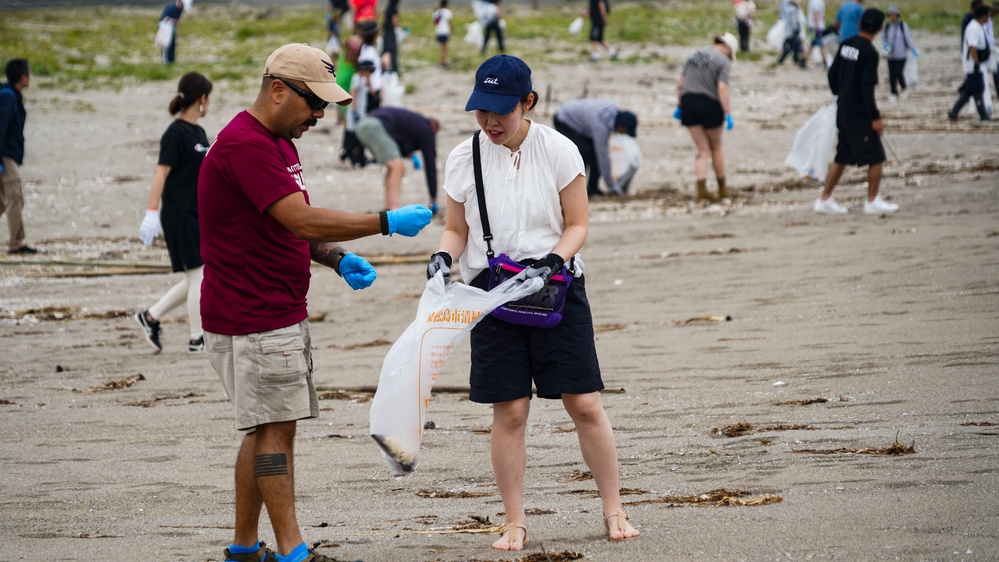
{"x": 722, "y": 190}
{"x": 702, "y": 191}
{"x": 983, "y": 113}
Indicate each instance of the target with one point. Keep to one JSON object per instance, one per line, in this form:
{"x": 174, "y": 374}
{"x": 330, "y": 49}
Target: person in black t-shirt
{"x": 182, "y": 149}
{"x": 853, "y": 77}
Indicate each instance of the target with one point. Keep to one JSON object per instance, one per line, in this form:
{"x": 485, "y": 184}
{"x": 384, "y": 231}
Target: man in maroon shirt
{"x": 259, "y": 235}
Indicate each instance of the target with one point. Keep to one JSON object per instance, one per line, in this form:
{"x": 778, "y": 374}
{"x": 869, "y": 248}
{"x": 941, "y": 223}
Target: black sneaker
{"x": 196, "y": 346}
{"x": 23, "y": 250}
{"x": 262, "y": 554}
{"x": 150, "y": 329}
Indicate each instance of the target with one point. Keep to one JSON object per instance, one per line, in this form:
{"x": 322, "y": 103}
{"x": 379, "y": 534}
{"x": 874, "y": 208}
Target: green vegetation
{"x": 71, "y": 49}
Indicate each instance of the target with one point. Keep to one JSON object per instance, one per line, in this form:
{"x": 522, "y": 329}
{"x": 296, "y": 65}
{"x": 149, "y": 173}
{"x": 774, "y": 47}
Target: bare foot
{"x": 512, "y": 538}
{"x": 618, "y": 527}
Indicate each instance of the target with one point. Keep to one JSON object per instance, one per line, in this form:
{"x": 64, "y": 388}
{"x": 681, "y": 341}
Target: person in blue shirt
{"x": 848, "y": 19}
{"x": 172, "y": 13}
{"x": 12, "y": 116}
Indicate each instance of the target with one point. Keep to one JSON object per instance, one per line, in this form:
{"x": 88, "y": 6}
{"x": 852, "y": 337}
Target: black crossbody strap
{"x": 480, "y": 191}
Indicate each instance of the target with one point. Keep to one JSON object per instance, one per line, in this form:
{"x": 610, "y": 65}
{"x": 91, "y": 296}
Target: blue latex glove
{"x": 729, "y": 122}
{"x": 677, "y": 114}
{"x": 915, "y": 52}
{"x": 416, "y": 161}
{"x": 1, "y": 168}
{"x": 409, "y": 220}
{"x": 357, "y": 272}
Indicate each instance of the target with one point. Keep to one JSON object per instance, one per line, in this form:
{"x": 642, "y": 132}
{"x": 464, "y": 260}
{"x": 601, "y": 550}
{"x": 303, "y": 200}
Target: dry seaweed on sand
{"x": 447, "y": 494}
{"x": 896, "y": 449}
{"x": 474, "y": 525}
{"x": 715, "y": 498}
{"x": 803, "y": 402}
{"x": 556, "y": 556}
{"x": 114, "y": 384}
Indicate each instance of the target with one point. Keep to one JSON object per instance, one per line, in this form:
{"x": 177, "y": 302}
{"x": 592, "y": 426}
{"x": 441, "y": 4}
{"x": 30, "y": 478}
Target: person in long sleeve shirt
{"x": 853, "y": 77}
{"x": 589, "y": 124}
{"x": 394, "y": 134}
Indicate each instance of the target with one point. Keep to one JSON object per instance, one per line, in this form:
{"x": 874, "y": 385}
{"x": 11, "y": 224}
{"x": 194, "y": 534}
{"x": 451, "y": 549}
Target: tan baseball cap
{"x": 298, "y": 61}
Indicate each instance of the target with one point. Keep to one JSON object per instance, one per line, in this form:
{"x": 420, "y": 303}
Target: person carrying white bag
{"x": 523, "y": 181}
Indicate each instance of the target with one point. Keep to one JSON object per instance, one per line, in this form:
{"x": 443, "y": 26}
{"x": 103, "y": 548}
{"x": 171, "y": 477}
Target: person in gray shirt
{"x": 703, "y": 107}
{"x": 588, "y": 123}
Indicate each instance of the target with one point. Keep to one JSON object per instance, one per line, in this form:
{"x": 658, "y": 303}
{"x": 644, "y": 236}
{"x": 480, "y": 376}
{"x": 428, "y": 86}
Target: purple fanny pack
{"x": 543, "y": 309}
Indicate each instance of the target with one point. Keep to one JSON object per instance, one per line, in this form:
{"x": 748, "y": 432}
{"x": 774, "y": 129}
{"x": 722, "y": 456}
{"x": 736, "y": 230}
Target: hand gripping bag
{"x": 813, "y": 144}
{"x": 445, "y": 314}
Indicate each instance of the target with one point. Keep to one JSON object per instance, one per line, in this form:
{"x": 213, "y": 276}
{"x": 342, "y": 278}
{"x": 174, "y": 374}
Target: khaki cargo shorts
{"x": 268, "y": 376}
{"x": 372, "y": 134}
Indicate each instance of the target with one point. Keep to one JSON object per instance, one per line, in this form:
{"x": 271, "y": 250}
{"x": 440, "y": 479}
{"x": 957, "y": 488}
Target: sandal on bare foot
{"x": 623, "y": 527}
{"x": 509, "y": 539}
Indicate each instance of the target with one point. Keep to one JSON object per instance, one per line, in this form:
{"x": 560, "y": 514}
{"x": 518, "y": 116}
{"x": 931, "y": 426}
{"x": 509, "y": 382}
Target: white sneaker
{"x": 829, "y": 207}
{"x": 879, "y": 206}
{"x": 893, "y": 98}
{"x": 904, "y": 95}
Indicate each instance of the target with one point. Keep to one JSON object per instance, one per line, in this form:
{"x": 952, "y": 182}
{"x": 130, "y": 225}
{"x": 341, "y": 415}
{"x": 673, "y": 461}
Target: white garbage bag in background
{"x": 813, "y": 144}
{"x": 444, "y": 316}
{"x": 910, "y": 72}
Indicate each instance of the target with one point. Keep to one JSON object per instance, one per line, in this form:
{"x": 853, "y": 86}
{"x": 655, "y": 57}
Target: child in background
{"x": 442, "y": 29}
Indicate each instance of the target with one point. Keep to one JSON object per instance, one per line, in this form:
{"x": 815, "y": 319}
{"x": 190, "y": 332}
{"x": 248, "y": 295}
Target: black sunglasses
{"x": 314, "y": 101}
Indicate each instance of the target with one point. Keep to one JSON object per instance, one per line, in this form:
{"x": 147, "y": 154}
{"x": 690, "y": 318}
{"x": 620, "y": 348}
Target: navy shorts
{"x": 698, "y": 109}
{"x": 442, "y": 38}
{"x": 507, "y": 358}
{"x": 858, "y": 144}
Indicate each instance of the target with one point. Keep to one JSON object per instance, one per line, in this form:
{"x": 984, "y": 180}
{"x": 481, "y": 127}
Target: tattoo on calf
{"x": 270, "y": 465}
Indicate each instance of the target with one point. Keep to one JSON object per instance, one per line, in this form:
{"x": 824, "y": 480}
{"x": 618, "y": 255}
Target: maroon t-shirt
{"x": 256, "y": 273}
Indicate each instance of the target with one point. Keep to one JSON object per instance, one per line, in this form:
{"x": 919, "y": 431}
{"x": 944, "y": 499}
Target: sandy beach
{"x": 847, "y": 410}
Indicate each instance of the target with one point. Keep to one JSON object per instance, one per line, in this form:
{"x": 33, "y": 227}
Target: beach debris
{"x": 703, "y": 319}
{"x": 401, "y": 461}
{"x": 5, "y": 402}
{"x": 803, "y": 402}
{"x": 539, "y": 511}
{"x": 596, "y": 494}
{"x": 720, "y": 497}
{"x": 380, "y": 342}
{"x": 474, "y": 525}
{"x": 59, "y": 313}
{"x": 555, "y": 556}
{"x": 152, "y": 401}
{"x": 745, "y": 428}
{"x": 354, "y": 395}
{"x": 896, "y": 449}
{"x": 114, "y": 384}
{"x": 576, "y": 476}
{"x": 609, "y": 327}
{"x": 317, "y": 317}
{"x": 447, "y": 494}
{"x": 979, "y": 424}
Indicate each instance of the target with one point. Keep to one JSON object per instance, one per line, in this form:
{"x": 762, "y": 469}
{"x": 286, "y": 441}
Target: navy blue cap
{"x": 500, "y": 82}
{"x": 628, "y": 121}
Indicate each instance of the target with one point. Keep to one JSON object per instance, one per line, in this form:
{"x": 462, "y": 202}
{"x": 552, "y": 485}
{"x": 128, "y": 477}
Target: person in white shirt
{"x": 535, "y": 196}
{"x": 975, "y": 50}
{"x": 745, "y": 17}
{"x": 442, "y": 29}
{"x": 816, "y": 25}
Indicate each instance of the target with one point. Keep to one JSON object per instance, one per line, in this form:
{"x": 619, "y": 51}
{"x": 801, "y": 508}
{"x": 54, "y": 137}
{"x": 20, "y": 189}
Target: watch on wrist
{"x": 383, "y": 219}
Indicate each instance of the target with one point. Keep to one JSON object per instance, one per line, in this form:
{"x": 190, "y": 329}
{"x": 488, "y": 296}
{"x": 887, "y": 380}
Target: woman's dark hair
{"x": 189, "y": 91}
{"x": 523, "y": 99}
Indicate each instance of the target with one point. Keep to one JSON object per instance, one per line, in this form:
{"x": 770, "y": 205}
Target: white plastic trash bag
{"x": 813, "y": 144}
{"x": 910, "y": 72}
{"x": 445, "y": 315}
{"x": 473, "y": 33}
{"x": 576, "y": 26}
{"x": 625, "y": 158}
{"x": 164, "y": 35}
{"x": 392, "y": 90}
{"x": 775, "y": 37}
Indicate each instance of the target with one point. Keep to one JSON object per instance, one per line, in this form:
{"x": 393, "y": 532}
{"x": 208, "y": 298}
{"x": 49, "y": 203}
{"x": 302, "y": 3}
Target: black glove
{"x": 545, "y": 268}
{"x": 441, "y": 261}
